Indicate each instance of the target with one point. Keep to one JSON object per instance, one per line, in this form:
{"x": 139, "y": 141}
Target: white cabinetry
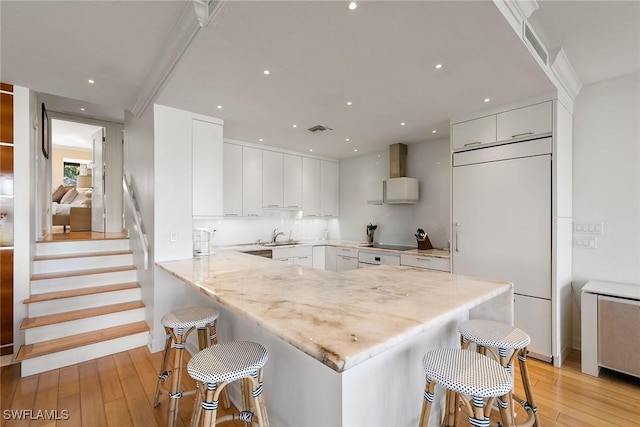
{"x": 251, "y": 181}
{"x": 328, "y": 188}
{"x": 232, "y": 179}
{"x": 310, "y": 187}
{"x": 207, "y": 168}
{"x": 292, "y": 198}
{"x": 473, "y": 132}
{"x": 428, "y": 262}
{"x": 272, "y": 179}
{"x": 346, "y": 259}
{"x": 302, "y": 255}
{"x": 330, "y": 258}
{"x": 524, "y": 122}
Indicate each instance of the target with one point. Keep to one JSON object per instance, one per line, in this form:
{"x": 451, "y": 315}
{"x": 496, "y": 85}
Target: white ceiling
{"x": 380, "y": 56}
{"x": 77, "y": 136}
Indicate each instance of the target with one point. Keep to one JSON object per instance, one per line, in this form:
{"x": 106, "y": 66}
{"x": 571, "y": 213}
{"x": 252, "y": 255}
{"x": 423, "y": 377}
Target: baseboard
{"x": 157, "y": 344}
{"x": 576, "y": 343}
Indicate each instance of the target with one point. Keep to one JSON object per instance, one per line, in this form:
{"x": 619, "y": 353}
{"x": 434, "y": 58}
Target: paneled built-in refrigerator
{"x": 502, "y": 225}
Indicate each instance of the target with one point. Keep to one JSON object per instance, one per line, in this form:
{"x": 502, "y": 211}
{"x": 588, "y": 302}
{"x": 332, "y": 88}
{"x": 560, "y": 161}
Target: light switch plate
{"x": 585, "y": 242}
{"x": 588, "y": 227}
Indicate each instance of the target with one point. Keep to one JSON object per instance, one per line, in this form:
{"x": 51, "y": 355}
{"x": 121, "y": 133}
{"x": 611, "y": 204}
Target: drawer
{"x": 290, "y": 252}
{"x": 432, "y": 263}
{"x": 378, "y": 258}
{"x": 350, "y": 252}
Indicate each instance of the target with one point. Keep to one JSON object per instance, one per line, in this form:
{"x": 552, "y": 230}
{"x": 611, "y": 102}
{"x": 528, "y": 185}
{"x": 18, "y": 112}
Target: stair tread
{"x": 51, "y": 319}
{"x": 81, "y": 255}
{"x": 58, "y": 275}
{"x": 49, "y": 296}
{"x": 60, "y": 344}
{"x": 85, "y": 236}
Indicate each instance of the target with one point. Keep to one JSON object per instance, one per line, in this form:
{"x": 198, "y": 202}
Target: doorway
{"x": 77, "y": 177}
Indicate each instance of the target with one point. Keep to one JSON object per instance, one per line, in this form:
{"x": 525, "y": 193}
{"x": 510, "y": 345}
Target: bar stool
{"x": 488, "y": 334}
{"x": 217, "y": 366}
{"x": 178, "y": 324}
{"x": 463, "y": 373}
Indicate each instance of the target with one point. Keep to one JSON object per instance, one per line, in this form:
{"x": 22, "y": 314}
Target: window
{"x": 70, "y": 173}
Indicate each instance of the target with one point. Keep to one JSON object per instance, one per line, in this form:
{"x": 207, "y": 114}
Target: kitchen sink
{"x": 280, "y": 244}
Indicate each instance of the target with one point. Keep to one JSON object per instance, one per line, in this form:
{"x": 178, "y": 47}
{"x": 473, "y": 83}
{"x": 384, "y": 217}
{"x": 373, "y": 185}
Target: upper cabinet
{"x": 328, "y": 188}
{"x": 310, "y": 187}
{"x": 292, "y": 198}
{"x": 516, "y": 124}
{"x": 251, "y": 181}
{"x": 527, "y": 121}
{"x": 232, "y": 180}
{"x": 473, "y": 132}
{"x": 207, "y": 168}
{"x": 272, "y": 179}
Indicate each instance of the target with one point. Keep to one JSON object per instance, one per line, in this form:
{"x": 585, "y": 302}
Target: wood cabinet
{"x": 328, "y": 188}
{"x": 310, "y": 187}
{"x": 251, "y": 181}
{"x": 6, "y": 113}
{"x": 473, "y": 133}
{"x": 232, "y": 180}
{"x": 207, "y": 169}
{"x": 423, "y": 261}
{"x": 525, "y": 122}
{"x": 272, "y": 179}
{"x": 292, "y": 197}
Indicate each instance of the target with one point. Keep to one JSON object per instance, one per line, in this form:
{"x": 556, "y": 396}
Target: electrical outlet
{"x": 588, "y": 228}
{"x": 174, "y": 236}
{"x": 585, "y": 242}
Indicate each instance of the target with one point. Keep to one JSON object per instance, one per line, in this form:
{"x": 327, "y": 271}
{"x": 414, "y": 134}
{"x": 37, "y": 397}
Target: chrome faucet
{"x": 275, "y": 234}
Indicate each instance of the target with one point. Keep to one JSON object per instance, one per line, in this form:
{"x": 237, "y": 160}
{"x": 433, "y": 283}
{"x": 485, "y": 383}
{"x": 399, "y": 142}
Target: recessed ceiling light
{"x": 295, "y": 126}
{"x": 310, "y": 149}
{"x": 260, "y": 139}
{"x": 402, "y": 124}
{"x": 487, "y": 99}
{"x": 346, "y": 139}
{"x": 266, "y": 72}
{"x": 219, "y": 107}
{"x": 434, "y": 131}
{"x": 353, "y": 5}
{"x": 378, "y": 155}
{"x": 355, "y": 149}
{"x": 349, "y": 103}
{"x": 81, "y": 108}
{"x": 91, "y": 81}
{"x": 438, "y": 66}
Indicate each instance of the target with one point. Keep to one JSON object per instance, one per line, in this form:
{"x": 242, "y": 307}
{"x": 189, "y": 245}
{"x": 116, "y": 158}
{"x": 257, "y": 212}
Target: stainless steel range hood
{"x": 398, "y": 189}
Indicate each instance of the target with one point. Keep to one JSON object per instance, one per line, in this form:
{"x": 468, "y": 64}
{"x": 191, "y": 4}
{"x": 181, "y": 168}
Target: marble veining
{"x": 341, "y": 319}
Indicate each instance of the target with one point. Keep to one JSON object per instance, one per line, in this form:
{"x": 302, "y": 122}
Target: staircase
{"x": 85, "y": 303}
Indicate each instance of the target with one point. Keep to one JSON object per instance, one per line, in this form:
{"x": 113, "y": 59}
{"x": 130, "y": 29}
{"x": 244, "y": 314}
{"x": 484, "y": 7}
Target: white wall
{"x": 429, "y": 162}
{"x": 606, "y": 180}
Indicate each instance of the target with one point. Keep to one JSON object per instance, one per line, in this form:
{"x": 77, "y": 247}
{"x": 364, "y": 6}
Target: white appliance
{"x": 502, "y": 227}
{"x": 369, "y": 259}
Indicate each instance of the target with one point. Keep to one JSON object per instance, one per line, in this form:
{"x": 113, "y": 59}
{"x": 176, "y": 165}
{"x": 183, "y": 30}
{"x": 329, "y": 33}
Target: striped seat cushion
{"x": 467, "y": 372}
{"x": 493, "y": 334}
{"x": 189, "y": 317}
{"x": 227, "y": 362}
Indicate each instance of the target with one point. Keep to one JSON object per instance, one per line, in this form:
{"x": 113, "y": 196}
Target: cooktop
{"x": 391, "y": 247}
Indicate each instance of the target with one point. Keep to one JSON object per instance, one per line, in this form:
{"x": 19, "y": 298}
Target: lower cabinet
{"x": 302, "y": 255}
{"x": 429, "y": 262}
{"x": 345, "y": 263}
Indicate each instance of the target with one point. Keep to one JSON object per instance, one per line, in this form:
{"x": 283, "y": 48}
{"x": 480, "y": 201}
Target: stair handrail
{"x": 137, "y": 218}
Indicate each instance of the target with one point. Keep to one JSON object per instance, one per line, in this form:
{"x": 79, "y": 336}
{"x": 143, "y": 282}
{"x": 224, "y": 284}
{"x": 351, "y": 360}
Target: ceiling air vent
{"x": 319, "y": 128}
{"x": 535, "y": 45}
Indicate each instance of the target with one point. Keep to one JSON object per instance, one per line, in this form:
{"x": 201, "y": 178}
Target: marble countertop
{"x": 436, "y": 253}
{"x": 622, "y": 290}
{"x": 341, "y": 319}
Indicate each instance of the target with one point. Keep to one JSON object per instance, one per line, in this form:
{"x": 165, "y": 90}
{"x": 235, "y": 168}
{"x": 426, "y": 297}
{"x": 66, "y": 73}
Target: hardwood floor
{"x": 118, "y": 390}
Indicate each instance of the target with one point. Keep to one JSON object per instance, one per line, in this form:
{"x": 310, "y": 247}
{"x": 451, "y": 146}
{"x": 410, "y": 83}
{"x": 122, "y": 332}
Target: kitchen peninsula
{"x": 345, "y": 348}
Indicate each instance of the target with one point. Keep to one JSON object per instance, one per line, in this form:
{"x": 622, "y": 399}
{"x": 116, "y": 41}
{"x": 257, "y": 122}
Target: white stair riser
{"x": 84, "y": 281}
{"x": 72, "y": 356}
{"x": 81, "y": 263}
{"x": 80, "y": 246}
{"x": 63, "y": 305}
{"x": 80, "y": 326}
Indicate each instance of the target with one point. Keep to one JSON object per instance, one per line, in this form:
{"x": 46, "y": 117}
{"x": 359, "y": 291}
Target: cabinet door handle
{"x": 521, "y": 134}
{"x": 294, "y": 206}
{"x": 231, "y": 214}
{"x": 423, "y": 259}
{"x": 457, "y": 228}
{"x": 273, "y": 206}
{"x": 472, "y": 143}
{"x": 253, "y": 214}
{"x": 303, "y": 257}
